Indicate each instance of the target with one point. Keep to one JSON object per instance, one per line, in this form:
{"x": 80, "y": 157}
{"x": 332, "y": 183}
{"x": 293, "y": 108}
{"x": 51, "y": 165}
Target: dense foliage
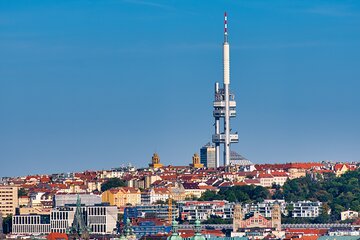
{"x": 7, "y": 224}
{"x": 245, "y": 194}
{"x": 22, "y": 192}
{"x": 217, "y": 220}
{"x": 337, "y": 193}
{"x": 112, "y": 183}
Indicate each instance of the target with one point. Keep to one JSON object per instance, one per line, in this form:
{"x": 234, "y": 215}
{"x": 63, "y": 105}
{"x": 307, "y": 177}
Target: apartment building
{"x": 8, "y": 200}
{"x": 306, "y": 209}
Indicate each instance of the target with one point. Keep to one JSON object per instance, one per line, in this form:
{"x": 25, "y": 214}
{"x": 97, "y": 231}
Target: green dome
{"x": 198, "y": 237}
{"x": 175, "y": 235}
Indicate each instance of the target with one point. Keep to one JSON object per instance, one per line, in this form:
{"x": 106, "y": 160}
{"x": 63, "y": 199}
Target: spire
{"x": 78, "y": 228}
{"x": 225, "y": 28}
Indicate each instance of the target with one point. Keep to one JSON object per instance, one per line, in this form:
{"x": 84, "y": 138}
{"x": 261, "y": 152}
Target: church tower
{"x": 196, "y": 161}
{"x": 237, "y": 218}
{"x": 155, "y": 161}
{"x": 276, "y": 217}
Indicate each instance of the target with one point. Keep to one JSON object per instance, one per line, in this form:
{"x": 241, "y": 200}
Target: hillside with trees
{"x": 337, "y": 193}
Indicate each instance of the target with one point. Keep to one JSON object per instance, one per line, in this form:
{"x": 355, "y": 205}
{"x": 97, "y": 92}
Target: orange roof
{"x": 265, "y": 175}
{"x": 306, "y": 165}
{"x": 308, "y": 231}
{"x": 279, "y": 174}
{"x": 125, "y": 190}
{"x": 161, "y": 190}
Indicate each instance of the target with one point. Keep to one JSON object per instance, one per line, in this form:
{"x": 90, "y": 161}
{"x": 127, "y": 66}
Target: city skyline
{"x": 93, "y": 85}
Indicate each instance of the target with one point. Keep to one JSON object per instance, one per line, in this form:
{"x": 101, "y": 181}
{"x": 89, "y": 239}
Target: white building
{"x": 154, "y": 195}
{"x": 101, "y": 218}
{"x": 31, "y": 224}
{"x": 203, "y": 210}
{"x": 265, "y": 207}
{"x": 306, "y": 209}
{"x": 60, "y": 200}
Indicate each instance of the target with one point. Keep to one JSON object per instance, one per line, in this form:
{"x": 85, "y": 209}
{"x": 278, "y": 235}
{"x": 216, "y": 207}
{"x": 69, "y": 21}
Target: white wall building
{"x": 31, "y": 224}
{"x": 306, "y": 209}
{"x": 101, "y": 218}
{"x": 265, "y": 207}
{"x": 60, "y": 200}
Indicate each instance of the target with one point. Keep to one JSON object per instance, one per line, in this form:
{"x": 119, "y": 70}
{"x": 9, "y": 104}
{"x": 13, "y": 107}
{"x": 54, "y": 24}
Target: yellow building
{"x": 196, "y": 162}
{"x": 122, "y": 196}
{"x": 8, "y": 200}
{"x": 155, "y": 161}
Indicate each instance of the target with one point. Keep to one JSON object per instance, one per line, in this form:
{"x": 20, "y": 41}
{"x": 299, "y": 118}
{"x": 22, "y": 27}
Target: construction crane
{"x": 170, "y": 209}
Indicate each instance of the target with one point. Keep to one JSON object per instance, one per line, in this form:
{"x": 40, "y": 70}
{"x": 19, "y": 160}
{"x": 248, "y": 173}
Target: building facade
{"x": 203, "y": 210}
{"x": 122, "y": 196}
{"x": 160, "y": 211}
{"x": 207, "y": 156}
{"x": 31, "y": 224}
{"x": 155, "y": 195}
{"x": 60, "y": 200}
{"x": 265, "y": 207}
{"x": 306, "y": 209}
{"x": 8, "y": 200}
{"x": 100, "y": 218}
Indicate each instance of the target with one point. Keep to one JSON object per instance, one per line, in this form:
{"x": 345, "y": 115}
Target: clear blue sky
{"x": 96, "y": 84}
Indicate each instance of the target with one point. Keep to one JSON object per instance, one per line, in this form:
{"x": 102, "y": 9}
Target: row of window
{"x": 59, "y": 224}
{"x": 60, "y": 215}
{"x": 41, "y": 228}
{"x": 97, "y": 211}
{"x": 26, "y": 220}
{"x": 98, "y": 228}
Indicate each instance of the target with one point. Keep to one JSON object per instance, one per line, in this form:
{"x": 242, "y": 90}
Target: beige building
{"x": 177, "y": 192}
{"x": 8, "y": 200}
{"x": 34, "y": 210}
{"x": 296, "y": 173}
{"x": 122, "y": 196}
{"x": 349, "y": 215}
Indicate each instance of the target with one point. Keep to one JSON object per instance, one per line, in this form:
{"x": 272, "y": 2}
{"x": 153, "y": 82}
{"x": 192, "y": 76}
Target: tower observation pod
{"x": 224, "y": 107}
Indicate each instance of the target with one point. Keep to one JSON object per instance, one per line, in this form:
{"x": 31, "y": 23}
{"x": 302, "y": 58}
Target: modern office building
{"x": 31, "y": 224}
{"x": 8, "y": 200}
{"x": 207, "y": 155}
{"x": 100, "y": 218}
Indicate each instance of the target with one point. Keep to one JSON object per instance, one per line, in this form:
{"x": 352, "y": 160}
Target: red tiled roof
{"x": 308, "y": 231}
{"x": 265, "y": 175}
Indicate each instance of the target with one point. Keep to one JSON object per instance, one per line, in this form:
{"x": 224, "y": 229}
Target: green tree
{"x": 22, "y": 192}
{"x": 112, "y": 183}
{"x": 7, "y": 224}
{"x": 339, "y": 193}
